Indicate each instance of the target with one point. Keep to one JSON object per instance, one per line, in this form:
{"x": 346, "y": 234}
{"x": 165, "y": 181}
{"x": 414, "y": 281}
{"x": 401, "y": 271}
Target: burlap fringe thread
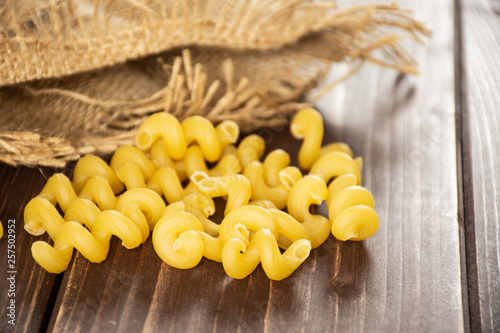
{"x": 264, "y": 57}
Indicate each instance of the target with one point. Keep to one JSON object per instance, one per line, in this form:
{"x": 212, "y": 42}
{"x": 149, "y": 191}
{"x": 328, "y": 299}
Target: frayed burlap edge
{"x": 186, "y": 94}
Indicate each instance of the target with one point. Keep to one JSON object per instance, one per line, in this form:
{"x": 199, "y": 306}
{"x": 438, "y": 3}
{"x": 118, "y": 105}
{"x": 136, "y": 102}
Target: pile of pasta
{"x": 167, "y": 184}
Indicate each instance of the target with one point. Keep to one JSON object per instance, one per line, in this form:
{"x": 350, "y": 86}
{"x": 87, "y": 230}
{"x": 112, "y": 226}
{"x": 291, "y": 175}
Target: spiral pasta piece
{"x": 236, "y": 187}
{"x": 165, "y": 126}
{"x": 82, "y": 211}
{"x": 179, "y": 240}
{"x": 98, "y": 190}
{"x": 307, "y": 124}
{"x": 165, "y": 181}
{"x": 40, "y": 213}
{"x": 241, "y": 221}
{"x": 194, "y": 161}
{"x": 40, "y": 216}
{"x": 351, "y": 210}
{"x": 93, "y": 245}
{"x": 336, "y": 147}
{"x": 273, "y": 179}
{"x": 132, "y": 167}
{"x": 160, "y": 158}
{"x": 335, "y": 164}
{"x": 228, "y": 133}
{"x": 58, "y": 189}
{"x": 149, "y": 203}
{"x": 241, "y": 255}
{"x": 89, "y": 166}
{"x": 202, "y": 207}
{"x": 301, "y": 223}
{"x": 200, "y": 130}
{"x": 251, "y": 148}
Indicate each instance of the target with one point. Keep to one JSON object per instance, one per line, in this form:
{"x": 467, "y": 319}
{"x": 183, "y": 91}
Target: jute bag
{"x": 79, "y": 76}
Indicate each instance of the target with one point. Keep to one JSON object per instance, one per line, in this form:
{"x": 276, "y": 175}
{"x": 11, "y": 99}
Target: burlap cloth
{"x": 79, "y": 76}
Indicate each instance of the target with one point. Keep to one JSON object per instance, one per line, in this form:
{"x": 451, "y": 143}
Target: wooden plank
{"x": 481, "y": 155}
{"x": 32, "y": 290}
{"x": 405, "y": 278}
{"x": 404, "y": 128}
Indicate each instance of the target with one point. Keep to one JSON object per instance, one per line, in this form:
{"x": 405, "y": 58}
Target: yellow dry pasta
{"x": 279, "y": 173}
{"x": 200, "y": 130}
{"x": 93, "y": 245}
{"x": 165, "y": 126}
{"x": 335, "y": 164}
{"x": 194, "y": 161}
{"x": 149, "y": 203}
{"x": 241, "y": 255}
{"x": 251, "y": 148}
{"x": 58, "y": 190}
{"x": 336, "y": 147}
{"x": 167, "y": 153}
{"x": 236, "y": 187}
{"x": 351, "y": 210}
{"x": 228, "y": 133}
{"x": 308, "y": 125}
{"x": 89, "y": 166}
{"x": 202, "y": 207}
{"x": 100, "y": 192}
{"x": 159, "y": 156}
{"x": 137, "y": 212}
{"x": 166, "y": 181}
{"x": 179, "y": 239}
{"x": 82, "y": 211}
{"x": 132, "y": 167}
{"x": 40, "y": 216}
{"x": 300, "y": 223}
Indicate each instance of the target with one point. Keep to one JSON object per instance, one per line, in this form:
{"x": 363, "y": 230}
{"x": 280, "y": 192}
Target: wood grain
{"x": 405, "y": 278}
{"x": 481, "y": 124}
{"x": 35, "y": 289}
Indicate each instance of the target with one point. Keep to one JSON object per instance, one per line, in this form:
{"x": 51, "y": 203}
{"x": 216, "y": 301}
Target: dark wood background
{"x": 431, "y": 149}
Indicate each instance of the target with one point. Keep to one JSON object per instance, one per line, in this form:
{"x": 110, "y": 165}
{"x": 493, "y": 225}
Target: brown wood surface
{"x": 430, "y": 149}
{"x": 481, "y": 132}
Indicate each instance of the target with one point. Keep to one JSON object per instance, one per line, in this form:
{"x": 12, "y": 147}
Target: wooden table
{"x": 431, "y": 149}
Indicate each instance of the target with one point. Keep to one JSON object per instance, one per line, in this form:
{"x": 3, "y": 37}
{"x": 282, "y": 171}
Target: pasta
{"x": 300, "y": 223}
{"x": 194, "y": 161}
{"x": 351, "y": 210}
{"x": 166, "y": 181}
{"x": 236, "y": 187}
{"x": 40, "y": 213}
{"x": 58, "y": 189}
{"x": 335, "y": 164}
{"x": 308, "y": 125}
{"x": 200, "y": 130}
{"x": 40, "y": 216}
{"x": 160, "y": 158}
{"x": 89, "y": 166}
{"x": 202, "y": 207}
{"x": 251, "y": 148}
{"x": 132, "y": 167}
{"x": 240, "y": 255}
{"x": 165, "y": 126}
{"x": 179, "y": 239}
{"x": 170, "y": 154}
{"x": 137, "y": 212}
{"x": 100, "y": 192}
{"x": 273, "y": 179}
{"x": 92, "y": 245}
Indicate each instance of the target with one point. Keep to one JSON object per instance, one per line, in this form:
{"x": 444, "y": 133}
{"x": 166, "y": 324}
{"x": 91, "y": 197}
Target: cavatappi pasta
{"x": 167, "y": 183}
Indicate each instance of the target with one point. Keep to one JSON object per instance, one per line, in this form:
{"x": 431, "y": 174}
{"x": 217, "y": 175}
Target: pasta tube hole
{"x": 143, "y": 139}
{"x": 302, "y": 250}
